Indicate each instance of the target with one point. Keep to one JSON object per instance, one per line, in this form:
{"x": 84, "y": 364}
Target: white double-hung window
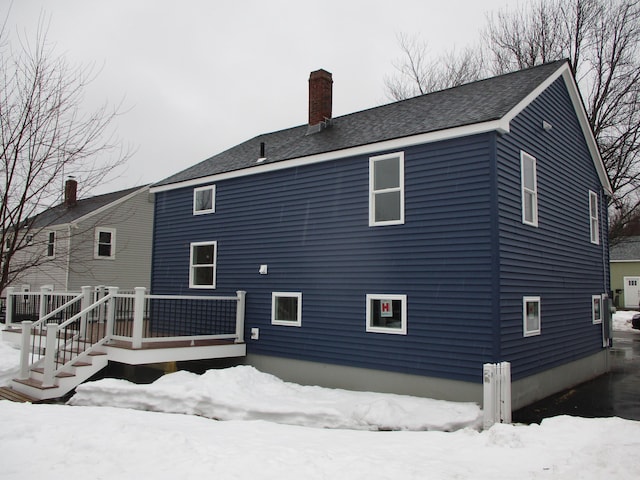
{"x": 202, "y": 270}
{"x": 594, "y": 223}
{"x": 529, "y": 186}
{"x": 105, "y": 243}
{"x": 386, "y": 189}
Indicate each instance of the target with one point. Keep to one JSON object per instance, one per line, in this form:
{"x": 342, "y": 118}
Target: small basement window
{"x": 204, "y": 200}
{"x": 286, "y": 308}
{"x": 531, "y": 316}
{"x": 387, "y": 313}
{"x": 596, "y": 309}
{"x": 202, "y": 271}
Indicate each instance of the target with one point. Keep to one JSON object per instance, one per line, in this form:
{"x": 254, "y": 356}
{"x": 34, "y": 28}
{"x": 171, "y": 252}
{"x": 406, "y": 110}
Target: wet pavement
{"x": 614, "y": 394}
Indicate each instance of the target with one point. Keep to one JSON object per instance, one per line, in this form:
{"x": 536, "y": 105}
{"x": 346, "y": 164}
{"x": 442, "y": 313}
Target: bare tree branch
{"x": 601, "y": 40}
{"x": 44, "y": 134}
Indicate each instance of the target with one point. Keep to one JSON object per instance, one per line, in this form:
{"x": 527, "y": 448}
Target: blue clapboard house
{"x": 400, "y": 248}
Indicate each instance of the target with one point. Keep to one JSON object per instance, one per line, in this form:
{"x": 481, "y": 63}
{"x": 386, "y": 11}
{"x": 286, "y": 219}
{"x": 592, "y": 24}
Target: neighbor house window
{"x": 286, "y": 308}
{"x": 596, "y": 309}
{"x": 531, "y": 316}
{"x": 386, "y": 189}
{"x": 51, "y": 244}
{"x": 594, "y": 225}
{"x": 204, "y": 200}
{"x": 529, "y": 189}
{"x": 105, "y": 243}
{"x": 387, "y": 313}
{"x": 202, "y": 272}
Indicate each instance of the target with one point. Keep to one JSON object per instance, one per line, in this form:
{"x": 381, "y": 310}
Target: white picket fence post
{"x": 111, "y": 312}
{"x": 8, "y": 306}
{"x": 138, "y": 317}
{"x": 85, "y": 303}
{"x": 50, "y": 355}
{"x": 496, "y": 393}
{"x": 25, "y": 341}
{"x": 240, "y": 316}
{"x": 43, "y": 301}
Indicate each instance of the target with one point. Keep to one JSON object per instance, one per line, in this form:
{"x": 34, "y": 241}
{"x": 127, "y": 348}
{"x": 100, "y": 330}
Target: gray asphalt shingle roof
{"x": 468, "y": 104}
{"x": 628, "y": 249}
{"x": 61, "y": 214}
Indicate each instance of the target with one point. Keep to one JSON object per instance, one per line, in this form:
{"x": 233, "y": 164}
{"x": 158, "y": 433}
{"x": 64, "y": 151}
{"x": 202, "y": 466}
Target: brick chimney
{"x": 320, "y": 92}
{"x": 70, "y": 192}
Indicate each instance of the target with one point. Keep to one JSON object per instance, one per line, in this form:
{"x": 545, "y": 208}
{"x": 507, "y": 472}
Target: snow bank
{"x": 9, "y": 362}
{"x": 244, "y": 393}
{"x": 622, "y": 321}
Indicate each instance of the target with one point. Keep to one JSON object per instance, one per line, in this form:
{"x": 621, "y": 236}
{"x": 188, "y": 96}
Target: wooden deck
{"x": 7, "y": 393}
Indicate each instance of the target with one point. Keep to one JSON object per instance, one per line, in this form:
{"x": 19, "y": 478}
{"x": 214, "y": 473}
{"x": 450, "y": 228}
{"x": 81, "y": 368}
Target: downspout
{"x": 495, "y": 249}
{"x": 605, "y": 236}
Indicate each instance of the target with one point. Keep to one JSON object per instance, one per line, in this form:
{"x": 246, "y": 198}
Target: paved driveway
{"x": 614, "y": 394}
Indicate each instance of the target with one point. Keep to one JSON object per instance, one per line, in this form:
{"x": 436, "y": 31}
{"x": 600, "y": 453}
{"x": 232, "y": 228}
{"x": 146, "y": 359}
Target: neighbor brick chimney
{"x": 70, "y": 192}
{"x": 320, "y": 92}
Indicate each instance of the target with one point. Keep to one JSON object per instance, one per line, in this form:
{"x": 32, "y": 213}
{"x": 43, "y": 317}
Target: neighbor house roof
{"x": 626, "y": 250}
{"x": 492, "y": 103}
{"x": 62, "y": 214}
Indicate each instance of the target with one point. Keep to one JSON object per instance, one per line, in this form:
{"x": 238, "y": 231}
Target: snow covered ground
{"x": 62, "y": 442}
{"x": 272, "y": 432}
{"x": 622, "y": 321}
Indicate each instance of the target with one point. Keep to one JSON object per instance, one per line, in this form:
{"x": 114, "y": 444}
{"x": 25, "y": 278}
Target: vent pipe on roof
{"x": 320, "y": 99}
{"x": 70, "y": 192}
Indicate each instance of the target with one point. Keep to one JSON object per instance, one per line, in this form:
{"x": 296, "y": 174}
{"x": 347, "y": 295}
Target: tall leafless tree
{"x": 601, "y": 40}
{"x": 45, "y": 134}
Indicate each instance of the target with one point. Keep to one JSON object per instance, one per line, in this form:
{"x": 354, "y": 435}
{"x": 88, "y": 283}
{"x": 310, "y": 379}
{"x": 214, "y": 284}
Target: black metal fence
{"x": 176, "y": 317}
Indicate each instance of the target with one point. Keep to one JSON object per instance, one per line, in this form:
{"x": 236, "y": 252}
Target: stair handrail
{"x": 57, "y": 310}
{"x": 86, "y": 310}
{"x": 52, "y": 332}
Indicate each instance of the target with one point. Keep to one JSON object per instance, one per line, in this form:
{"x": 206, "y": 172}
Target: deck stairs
{"x": 84, "y": 365}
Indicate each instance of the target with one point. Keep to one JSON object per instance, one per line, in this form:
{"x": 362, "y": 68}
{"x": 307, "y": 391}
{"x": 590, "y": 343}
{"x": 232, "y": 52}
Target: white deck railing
{"x": 96, "y": 316}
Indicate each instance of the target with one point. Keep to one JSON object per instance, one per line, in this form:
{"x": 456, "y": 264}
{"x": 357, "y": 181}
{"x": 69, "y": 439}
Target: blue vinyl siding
{"x": 556, "y": 260}
{"x": 463, "y": 257}
{"x": 310, "y": 226}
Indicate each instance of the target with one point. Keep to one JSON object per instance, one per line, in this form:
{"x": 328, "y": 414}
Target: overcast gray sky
{"x": 197, "y": 77}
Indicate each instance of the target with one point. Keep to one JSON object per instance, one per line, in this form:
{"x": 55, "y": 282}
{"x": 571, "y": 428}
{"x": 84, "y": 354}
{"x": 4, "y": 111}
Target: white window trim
{"x": 594, "y": 233}
{"x": 274, "y": 321}
{"x": 525, "y": 190}
{"x": 214, "y": 265}
{"x": 372, "y": 192}
{"x": 47, "y": 243}
{"x": 394, "y": 331}
{"x": 112, "y": 231}
{"x": 593, "y": 309}
{"x": 531, "y": 333}
{"x": 213, "y": 200}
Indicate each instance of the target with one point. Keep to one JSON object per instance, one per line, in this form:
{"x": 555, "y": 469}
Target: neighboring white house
{"x": 625, "y": 272}
{"x": 100, "y": 240}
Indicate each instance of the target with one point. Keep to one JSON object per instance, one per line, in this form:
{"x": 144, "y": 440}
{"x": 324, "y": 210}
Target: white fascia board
{"x": 624, "y": 261}
{"x": 574, "y": 93}
{"x": 501, "y": 126}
